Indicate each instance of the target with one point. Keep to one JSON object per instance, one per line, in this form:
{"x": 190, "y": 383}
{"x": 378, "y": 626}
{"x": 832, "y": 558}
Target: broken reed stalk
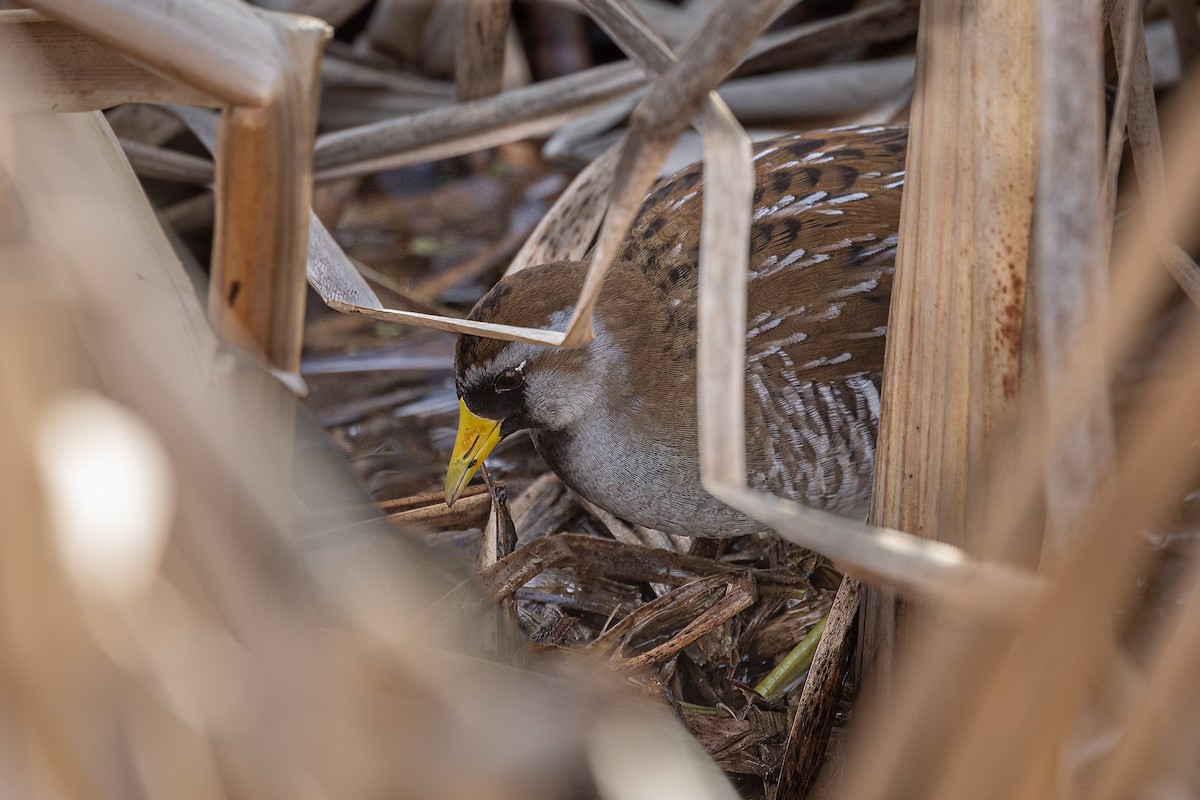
{"x": 817, "y": 707}
{"x": 1124, "y": 38}
{"x": 479, "y": 58}
{"x": 500, "y": 627}
{"x": 322, "y": 653}
{"x": 263, "y": 69}
{"x": 907, "y": 726}
{"x": 952, "y": 370}
{"x": 264, "y": 191}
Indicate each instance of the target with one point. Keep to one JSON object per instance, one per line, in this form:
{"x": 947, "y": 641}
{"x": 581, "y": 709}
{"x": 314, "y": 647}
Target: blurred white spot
{"x": 109, "y": 489}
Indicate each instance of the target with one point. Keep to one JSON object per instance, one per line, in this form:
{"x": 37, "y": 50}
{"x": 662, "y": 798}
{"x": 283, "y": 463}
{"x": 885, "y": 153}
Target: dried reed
{"x": 221, "y": 654}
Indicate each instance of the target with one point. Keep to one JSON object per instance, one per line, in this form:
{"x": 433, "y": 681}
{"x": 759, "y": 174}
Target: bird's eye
{"x": 509, "y": 380}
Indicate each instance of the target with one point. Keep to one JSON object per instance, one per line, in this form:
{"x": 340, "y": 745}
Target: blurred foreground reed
{"x": 200, "y": 599}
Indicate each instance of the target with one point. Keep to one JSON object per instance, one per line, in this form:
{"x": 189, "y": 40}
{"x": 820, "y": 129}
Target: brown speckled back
{"x": 823, "y": 243}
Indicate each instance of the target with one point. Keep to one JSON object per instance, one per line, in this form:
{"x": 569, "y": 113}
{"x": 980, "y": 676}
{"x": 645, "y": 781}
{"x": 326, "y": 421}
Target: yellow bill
{"x": 476, "y": 438}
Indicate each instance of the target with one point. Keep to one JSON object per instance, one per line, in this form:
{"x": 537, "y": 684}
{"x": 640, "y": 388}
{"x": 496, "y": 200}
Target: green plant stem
{"x": 793, "y": 664}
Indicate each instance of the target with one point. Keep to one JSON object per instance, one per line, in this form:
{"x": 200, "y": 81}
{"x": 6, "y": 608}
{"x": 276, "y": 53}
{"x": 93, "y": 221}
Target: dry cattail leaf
{"x": 879, "y": 22}
{"x": 216, "y": 47}
{"x": 706, "y": 602}
{"x": 1144, "y": 137}
{"x": 149, "y": 161}
{"x": 827, "y": 91}
{"x": 567, "y": 230}
{"x": 335, "y": 12}
{"x": 1068, "y": 251}
{"x": 49, "y": 66}
{"x": 658, "y": 119}
{"x": 445, "y": 132}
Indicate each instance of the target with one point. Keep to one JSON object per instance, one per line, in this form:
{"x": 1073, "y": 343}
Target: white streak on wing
{"x": 833, "y": 311}
{"x": 831, "y": 212}
{"x": 816, "y": 259}
{"x": 793, "y": 257}
{"x": 894, "y": 184}
{"x": 769, "y": 269}
{"x": 876, "y": 129}
{"x": 887, "y": 243}
{"x": 768, "y": 320}
{"x": 816, "y": 362}
{"x": 874, "y": 333}
{"x": 842, "y": 244}
{"x": 858, "y": 288}
{"x": 761, "y": 317}
{"x": 777, "y": 347}
{"x": 766, "y": 152}
{"x": 813, "y": 156}
{"x": 846, "y": 198}
{"x": 766, "y": 211}
{"x": 787, "y": 165}
{"x": 678, "y": 204}
{"x": 864, "y": 387}
{"x": 766, "y": 326}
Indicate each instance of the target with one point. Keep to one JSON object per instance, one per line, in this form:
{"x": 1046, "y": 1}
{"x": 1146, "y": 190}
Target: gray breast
{"x": 639, "y": 479}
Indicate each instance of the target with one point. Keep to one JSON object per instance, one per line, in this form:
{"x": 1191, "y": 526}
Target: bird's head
{"x": 504, "y": 387}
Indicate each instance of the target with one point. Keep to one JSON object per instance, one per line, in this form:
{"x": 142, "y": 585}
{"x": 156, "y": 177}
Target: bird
{"x": 616, "y": 419}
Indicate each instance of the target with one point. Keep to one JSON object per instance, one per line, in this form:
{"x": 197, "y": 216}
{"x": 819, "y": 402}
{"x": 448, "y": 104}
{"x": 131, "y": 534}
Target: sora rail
{"x": 616, "y": 419}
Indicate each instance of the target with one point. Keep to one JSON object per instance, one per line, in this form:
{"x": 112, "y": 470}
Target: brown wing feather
{"x": 823, "y": 243}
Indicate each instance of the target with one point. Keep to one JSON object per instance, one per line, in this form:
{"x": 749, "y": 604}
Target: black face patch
{"x": 483, "y": 400}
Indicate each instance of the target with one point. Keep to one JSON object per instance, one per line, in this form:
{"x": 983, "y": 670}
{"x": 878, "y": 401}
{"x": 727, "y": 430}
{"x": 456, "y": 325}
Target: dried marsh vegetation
{"x": 203, "y": 597}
